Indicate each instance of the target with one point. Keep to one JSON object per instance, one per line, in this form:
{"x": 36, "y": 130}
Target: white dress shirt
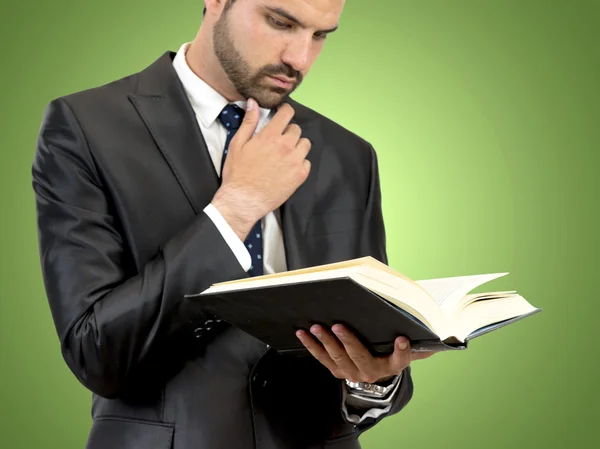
{"x": 207, "y": 104}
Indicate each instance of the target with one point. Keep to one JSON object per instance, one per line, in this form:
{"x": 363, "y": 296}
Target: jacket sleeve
{"x": 373, "y": 243}
{"x": 114, "y": 326}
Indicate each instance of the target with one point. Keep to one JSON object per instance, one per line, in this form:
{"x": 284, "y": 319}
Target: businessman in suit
{"x": 201, "y": 169}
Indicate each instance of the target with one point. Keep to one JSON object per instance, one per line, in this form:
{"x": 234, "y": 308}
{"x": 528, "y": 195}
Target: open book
{"x": 375, "y": 301}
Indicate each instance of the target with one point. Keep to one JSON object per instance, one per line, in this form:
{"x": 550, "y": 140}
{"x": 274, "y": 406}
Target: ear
{"x": 214, "y": 7}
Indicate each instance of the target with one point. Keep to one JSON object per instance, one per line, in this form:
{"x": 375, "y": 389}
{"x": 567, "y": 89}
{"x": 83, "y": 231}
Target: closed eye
{"x": 278, "y": 23}
{"x": 283, "y": 25}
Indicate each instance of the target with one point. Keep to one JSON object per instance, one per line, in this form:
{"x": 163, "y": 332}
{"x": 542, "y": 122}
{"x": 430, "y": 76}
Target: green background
{"x": 486, "y": 119}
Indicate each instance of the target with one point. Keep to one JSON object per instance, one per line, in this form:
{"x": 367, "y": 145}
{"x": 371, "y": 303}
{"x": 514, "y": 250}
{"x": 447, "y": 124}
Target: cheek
{"x": 260, "y": 46}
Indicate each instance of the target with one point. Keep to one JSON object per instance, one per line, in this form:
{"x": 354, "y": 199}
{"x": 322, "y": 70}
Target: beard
{"x": 248, "y": 82}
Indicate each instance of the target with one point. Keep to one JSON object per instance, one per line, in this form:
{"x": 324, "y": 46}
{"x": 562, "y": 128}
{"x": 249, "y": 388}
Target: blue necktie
{"x": 231, "y": 117}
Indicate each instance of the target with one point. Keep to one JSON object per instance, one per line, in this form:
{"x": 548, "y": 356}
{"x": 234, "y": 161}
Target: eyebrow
{"x": 291, "y": 18}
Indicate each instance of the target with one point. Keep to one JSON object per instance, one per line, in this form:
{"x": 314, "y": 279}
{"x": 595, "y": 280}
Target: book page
{"x": 371, "y": 268}
{"x": 468, "y": 299}
{"x": 448, "y": 292}
{"x": 362, "y": 261}
{"x": 270, "y": 281}
{"x": 409, "y": 297}
{"x": 481, "y": 314}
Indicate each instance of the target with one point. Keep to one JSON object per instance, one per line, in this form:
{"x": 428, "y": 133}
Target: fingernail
{"x": 403, "y": 344}
{"x": 315, "y": 331}
{"x": 337, "y": 331}
{"x": 250, "y": 105}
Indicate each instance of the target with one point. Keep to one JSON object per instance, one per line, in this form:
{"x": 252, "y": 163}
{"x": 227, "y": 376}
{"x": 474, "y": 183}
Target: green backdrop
{"x": 489, "y": 162}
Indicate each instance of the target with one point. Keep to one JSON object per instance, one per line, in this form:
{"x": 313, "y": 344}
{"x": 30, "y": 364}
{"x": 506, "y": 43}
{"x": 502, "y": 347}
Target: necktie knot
{"x": 231, "y": 117}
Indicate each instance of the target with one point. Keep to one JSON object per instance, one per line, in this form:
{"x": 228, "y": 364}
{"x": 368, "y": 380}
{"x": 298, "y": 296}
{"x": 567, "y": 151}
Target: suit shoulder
{"x": 330, "y": 128}
{"x": 95, "y": 96}
{"x": 77, "y": 112}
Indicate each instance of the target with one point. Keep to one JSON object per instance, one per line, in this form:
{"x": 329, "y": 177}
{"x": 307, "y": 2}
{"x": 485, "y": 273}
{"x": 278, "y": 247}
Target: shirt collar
{"x": 206, "y": 101}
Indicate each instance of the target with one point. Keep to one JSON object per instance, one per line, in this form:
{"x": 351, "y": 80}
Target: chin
{"x": 272, "y": 100}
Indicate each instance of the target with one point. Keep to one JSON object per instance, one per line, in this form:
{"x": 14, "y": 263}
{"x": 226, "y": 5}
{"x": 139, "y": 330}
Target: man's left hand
{"x": 347, "y": 358}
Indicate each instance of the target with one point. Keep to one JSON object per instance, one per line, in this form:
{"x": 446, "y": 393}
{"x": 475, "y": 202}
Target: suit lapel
{"x": 162, "y": 104}
{"x": 164, "y": 107}
{"x": 296, "y": 211}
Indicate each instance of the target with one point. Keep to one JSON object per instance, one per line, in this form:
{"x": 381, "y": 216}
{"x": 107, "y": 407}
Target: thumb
{"x": 249, "y": 123}
{"x": 400, "y": 358}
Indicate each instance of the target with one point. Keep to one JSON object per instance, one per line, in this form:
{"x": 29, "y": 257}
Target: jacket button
{"x": 198, "y": 332}
{"x": 208, "y": 324}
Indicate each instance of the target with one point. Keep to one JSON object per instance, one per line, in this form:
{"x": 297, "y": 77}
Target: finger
{"x": 280, "y": 120}
{"x": 336, "y": 352}
{"x": 306, "y": 172}
{"x": 317, "y": 351}
{"x": 401, "y": 357}
{"x": 293, "y": 132}
{"x": 303, "y": 147}
{"x": 248, "y": 125}
{"x": 358, "y": 353}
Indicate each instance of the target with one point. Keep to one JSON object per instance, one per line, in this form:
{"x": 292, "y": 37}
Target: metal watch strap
{"x": 372, "y": 390}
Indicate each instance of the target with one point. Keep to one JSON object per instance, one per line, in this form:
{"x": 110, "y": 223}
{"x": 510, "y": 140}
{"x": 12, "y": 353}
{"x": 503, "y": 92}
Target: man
{"x": 196, "y": 170}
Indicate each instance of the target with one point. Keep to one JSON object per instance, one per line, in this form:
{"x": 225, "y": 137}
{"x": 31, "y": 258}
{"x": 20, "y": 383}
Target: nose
{"x": 297, "y": 53}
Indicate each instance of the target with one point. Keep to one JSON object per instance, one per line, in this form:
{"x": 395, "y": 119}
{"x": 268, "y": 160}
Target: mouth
{"x": 282, "y": 82}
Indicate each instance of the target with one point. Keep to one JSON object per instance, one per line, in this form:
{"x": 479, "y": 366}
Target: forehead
{"x": 312, "y": 12}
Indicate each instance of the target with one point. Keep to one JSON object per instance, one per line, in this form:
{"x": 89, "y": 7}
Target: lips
{"x": 285, "y": 80}
{"x": 282, "y": 82}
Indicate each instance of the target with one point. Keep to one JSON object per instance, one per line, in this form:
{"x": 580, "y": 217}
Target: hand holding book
{"x": 342, "y": 353}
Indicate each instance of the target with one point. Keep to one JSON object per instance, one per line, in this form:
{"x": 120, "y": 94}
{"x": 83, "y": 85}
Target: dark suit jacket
{"x": 121, "y": 175}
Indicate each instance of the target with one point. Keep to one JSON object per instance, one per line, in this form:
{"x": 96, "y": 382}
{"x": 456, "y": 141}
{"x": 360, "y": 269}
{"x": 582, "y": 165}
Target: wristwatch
{"x": 377, "y": 390}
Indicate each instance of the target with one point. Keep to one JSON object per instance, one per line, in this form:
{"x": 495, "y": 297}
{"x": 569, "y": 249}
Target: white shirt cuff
{"x": 234, "y": 242}
{"x": 374, "y": 408}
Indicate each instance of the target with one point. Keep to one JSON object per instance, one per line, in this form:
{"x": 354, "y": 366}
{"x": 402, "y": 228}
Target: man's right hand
{"x": 261, "y": 171}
